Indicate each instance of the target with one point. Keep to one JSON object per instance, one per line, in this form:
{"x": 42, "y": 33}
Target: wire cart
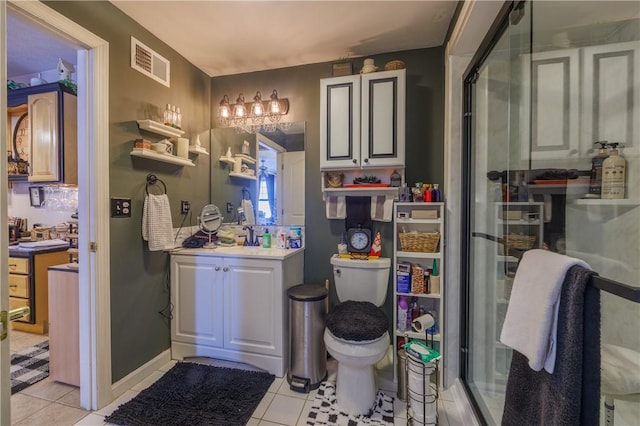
{"x": 421, "y": 391}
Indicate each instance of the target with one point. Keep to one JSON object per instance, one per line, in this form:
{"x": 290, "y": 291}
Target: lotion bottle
{"x": 613, "y": 175}
{"x": 595, "y": 182}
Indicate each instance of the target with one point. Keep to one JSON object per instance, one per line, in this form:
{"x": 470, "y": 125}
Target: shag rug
{"x": 325, "y": 410}
{"x": 196, "y": 394}
{"x": 29, "y": 366}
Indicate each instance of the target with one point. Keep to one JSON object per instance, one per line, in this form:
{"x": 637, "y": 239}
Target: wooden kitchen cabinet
{"x": 64, "y": 324}
{"x": 48, "y": 142}
{"x": 362, "y": 121}
{"x": 28, "y": 286}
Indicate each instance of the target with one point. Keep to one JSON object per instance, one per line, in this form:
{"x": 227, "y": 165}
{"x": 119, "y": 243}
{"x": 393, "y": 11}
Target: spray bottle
{"x": 613, "y": 174}
{"x": 595, "y": 182}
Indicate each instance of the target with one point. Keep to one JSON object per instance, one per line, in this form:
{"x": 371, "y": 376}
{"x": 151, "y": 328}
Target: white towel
{"x": 531, "y": 323}
{"x": 336, "y": 207}
{"x": 382, "y": 208}
{"x": 249, "y": 215}
{"x": 157, "y": 227}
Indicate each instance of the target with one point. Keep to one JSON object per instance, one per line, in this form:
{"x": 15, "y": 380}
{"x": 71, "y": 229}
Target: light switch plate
{"x": 120, "y": 207}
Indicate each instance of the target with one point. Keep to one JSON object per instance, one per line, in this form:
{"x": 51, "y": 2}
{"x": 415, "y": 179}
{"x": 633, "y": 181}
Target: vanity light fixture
{"x": 256, "y": 112}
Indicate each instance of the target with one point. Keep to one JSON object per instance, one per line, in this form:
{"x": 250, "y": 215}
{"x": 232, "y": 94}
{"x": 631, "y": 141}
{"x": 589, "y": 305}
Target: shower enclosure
{"x": 549, "y": 82}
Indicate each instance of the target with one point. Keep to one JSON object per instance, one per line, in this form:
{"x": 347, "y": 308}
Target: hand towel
{"x": 530, "y": 324}
{"x": 249, "y": 215}
{"x": 382, "y": 208}
{"x": 336, "y": 207}
{"x": 571, "y": 395}
{"x": 157, "y": 227}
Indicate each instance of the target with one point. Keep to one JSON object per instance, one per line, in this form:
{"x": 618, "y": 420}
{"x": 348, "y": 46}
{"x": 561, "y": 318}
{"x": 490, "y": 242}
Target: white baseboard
{"x": 138, "y": 375}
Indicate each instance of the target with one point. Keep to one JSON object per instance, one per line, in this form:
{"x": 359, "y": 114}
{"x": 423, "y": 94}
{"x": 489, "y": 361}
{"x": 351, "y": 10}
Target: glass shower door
{"x": 499, "y": 215}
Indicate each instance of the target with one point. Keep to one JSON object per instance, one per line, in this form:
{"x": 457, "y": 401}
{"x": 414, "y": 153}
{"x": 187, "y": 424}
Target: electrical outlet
{"x": 229, "y": 207}
{"x": 120, "y": 207}
{"x": 185, "y": 207}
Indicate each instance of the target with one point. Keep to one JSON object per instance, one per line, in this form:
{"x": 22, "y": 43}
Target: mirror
{"x": 210, "y": 221}
{"x": 277, "y": 198}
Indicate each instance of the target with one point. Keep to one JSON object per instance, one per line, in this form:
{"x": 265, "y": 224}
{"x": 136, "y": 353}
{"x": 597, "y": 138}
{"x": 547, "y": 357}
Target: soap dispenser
{"x": 613, "y": 174}
{"x": 595, "y": 181}
{"x": 266, "y": 239}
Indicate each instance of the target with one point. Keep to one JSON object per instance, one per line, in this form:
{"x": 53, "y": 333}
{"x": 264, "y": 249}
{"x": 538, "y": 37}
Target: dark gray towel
{"x": 571, "y": 395}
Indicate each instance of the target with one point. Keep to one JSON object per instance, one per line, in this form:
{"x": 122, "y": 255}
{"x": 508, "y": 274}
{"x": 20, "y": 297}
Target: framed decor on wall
{"x": 36, "y": 196}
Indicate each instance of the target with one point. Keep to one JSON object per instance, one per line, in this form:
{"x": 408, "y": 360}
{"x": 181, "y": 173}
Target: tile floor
{"x": 55, "y": 404}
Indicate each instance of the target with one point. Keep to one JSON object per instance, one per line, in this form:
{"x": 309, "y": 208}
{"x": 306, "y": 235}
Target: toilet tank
{"x": 361, "y": 280}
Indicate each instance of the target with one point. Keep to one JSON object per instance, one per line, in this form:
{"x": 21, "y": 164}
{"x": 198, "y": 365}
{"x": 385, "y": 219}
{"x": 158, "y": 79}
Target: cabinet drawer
{"x": 18, "y": 265}
{"x": 15, "y": 302}
{"x": 18, "y": 285}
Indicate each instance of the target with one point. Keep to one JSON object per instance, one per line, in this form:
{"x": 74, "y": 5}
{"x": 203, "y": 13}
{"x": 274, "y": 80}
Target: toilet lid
{"x": 357, "y": 321}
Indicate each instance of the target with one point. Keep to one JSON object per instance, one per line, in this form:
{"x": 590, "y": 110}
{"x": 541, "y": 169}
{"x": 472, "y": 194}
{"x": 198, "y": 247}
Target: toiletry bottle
{"x": 174, "y": 116}
{"x": 613, "y": 175}
{"x": 395, "y": 179}
{"x": 178, "y": 118}
{"x": 436, "y": 194}
{"x": 167, "y": 115}
{"x": 595, "y": 181}
{"x": 266, "y": 239}
{"x": 403, "y": 310}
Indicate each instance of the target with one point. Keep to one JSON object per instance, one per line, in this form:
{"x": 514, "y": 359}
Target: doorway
{"x": 92, "y": 82}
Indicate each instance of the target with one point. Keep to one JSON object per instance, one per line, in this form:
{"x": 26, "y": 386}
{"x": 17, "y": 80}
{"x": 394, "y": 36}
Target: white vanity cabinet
{"x": 362, "y": 120}
{"x": 233, "y": 307}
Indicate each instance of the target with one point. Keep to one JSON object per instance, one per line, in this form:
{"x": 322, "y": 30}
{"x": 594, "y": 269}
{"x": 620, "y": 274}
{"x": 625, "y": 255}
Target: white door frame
{"x": 93, "y": 209}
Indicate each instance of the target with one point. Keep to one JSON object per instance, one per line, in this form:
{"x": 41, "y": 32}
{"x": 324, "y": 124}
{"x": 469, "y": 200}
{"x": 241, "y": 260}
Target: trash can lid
{"x": 307, "y": 292}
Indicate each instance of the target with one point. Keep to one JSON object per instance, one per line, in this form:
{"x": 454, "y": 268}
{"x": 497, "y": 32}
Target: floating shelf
{"x": 424, "y": 295}
{"x": 165, "y": 158}
{"x": 366, "y": 191}
{"x": 247, "y": 159}
{"x": 242, "y": 175}
{"x": 160, "y": 129}
{"x": 198, "y": 150}
{"x": 227, "y": 160}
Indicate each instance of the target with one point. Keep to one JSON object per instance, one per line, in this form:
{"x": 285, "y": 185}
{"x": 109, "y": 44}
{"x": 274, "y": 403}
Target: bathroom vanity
{"x": 231, "y": 303}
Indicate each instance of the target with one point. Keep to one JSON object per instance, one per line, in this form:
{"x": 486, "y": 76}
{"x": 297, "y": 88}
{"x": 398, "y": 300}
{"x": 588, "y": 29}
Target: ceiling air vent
{"x": 149, "y": 62}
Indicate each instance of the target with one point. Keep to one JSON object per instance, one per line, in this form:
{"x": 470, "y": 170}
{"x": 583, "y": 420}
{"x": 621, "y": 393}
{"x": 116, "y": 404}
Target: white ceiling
{"x": 231, "y": 37}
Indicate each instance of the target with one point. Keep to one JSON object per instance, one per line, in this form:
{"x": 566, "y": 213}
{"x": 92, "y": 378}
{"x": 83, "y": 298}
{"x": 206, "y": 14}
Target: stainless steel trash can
{"x": 402, "y": 375}
{"x": 307, "y": 354}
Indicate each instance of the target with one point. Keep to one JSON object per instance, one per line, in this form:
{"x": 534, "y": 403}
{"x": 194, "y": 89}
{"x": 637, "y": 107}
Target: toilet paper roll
{"x": 182, "y": 148}
{"x": 423, "y": 323}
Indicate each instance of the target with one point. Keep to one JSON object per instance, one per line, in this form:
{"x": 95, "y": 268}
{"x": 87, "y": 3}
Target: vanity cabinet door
{"x": 43, "y": 128}
{"x": 383, "y": 119}
{"x": 340, "y": 122}
{"x": 253, "y": 306}
{"x": 197, "y": 294}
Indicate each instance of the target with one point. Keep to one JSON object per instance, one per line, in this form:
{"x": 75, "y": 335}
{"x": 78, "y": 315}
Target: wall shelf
{"x": 418, "y": 255}
{"x": 160, "y": 129}
{"x": 245, "y": 158}
{"x": 242, "y": 175}
{"x": 198, "y": 150}
{"x": 361, "y": 192}
{"x": 227, "y": 160}
{"x": 165, "y": 158}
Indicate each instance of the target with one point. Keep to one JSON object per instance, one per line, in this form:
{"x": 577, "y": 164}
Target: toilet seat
{"x": 357, "y": 322}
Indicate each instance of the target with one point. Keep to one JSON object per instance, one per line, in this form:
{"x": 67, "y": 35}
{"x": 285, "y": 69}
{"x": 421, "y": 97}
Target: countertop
{"x": 14, "y": 251}
{"x": 241, "y": 251}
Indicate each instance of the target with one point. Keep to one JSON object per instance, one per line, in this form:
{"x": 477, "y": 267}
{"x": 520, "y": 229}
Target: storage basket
{"x": 425, "y": 242}
{"x": 394, "y": 65}
{"x": 518, "y": 241}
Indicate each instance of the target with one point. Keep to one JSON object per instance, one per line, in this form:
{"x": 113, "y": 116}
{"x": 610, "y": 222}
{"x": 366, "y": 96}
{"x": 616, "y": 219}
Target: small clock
{"x": 358, "y": 240}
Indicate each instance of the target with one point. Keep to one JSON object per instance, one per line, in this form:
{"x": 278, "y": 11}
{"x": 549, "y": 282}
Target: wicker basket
{"x": 424, "y": 242}
{"x": 394, "y": 65}
{"x": 517, "y": 241}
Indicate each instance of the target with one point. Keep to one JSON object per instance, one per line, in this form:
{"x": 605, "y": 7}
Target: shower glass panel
{"x": 553, "y": 82}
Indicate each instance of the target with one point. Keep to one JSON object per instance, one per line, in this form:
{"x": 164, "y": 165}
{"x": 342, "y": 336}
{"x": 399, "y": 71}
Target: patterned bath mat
{"x": 325, "y": 411}
{"x": 29, "y": 366}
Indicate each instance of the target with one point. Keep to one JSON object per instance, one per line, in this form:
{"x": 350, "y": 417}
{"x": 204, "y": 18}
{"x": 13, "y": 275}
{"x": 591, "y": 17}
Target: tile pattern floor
{"x": 55, "y": 404}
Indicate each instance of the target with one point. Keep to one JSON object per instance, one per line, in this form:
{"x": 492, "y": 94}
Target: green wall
{"x": 139, "y": 278}
{"x": 301, "y": 85}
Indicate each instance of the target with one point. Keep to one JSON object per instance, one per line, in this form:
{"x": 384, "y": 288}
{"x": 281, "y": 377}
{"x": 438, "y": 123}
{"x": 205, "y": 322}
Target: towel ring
{"x": 152, "y": 180}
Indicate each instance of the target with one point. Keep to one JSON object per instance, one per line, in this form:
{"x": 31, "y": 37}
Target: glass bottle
{"x": 436, "y": 193}
{"x": 167, "y": 115}
{"x": 178, "y": 118}
{"x": 174, "y": 116}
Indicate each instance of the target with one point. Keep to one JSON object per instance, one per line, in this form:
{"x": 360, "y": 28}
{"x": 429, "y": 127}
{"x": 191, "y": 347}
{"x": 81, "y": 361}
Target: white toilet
{"x": 356, "y": 334}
